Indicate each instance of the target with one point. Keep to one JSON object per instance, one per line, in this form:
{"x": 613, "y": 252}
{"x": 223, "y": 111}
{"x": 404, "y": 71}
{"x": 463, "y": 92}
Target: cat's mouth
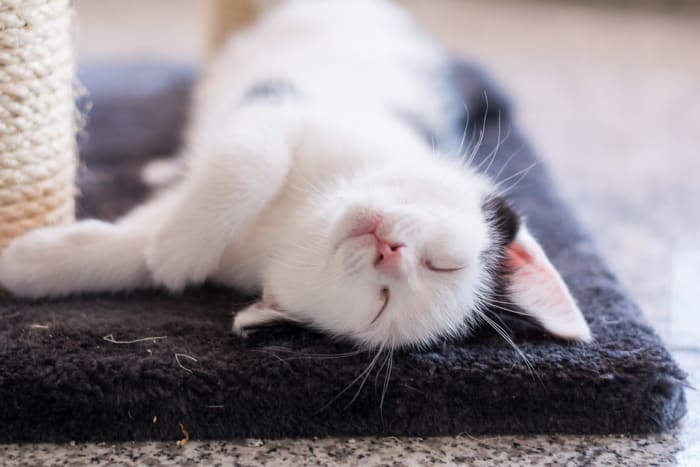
{"x": 386, "y": 295}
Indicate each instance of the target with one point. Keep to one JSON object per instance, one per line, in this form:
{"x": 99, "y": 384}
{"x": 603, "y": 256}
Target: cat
{"x": 306, "y": 182}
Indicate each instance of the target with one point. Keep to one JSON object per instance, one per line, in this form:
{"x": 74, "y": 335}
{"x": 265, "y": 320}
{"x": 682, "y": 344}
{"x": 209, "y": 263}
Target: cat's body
{"x": 309, "y": 180}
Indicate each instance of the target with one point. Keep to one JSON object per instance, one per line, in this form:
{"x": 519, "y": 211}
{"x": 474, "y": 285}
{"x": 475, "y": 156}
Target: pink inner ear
{"x": 537, "y": 288}
{"x": 517, "y": 256}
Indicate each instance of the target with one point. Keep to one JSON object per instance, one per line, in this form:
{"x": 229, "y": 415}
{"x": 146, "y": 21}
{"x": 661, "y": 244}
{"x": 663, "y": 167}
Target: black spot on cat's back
{"x": 270, "y": 90}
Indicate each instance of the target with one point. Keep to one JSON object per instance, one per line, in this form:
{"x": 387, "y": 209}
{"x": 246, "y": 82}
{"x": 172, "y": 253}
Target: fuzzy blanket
{"x": 135, "y": 366}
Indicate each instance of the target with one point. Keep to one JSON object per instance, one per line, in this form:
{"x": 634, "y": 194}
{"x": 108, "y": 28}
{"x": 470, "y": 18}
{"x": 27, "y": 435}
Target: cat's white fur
{"x": 289, "y": 195}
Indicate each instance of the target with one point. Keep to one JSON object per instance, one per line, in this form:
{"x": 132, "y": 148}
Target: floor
{"x": 610, "y": 97}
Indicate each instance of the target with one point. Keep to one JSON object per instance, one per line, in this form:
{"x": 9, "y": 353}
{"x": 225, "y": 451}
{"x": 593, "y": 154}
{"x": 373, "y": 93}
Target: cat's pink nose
{"x": 389, "y": 256}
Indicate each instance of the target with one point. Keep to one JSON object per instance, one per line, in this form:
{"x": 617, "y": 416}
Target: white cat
{"x": 305, "y": 183}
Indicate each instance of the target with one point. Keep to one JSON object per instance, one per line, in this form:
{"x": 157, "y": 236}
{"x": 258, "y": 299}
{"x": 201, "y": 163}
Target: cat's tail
{"x": 87, "y": 256}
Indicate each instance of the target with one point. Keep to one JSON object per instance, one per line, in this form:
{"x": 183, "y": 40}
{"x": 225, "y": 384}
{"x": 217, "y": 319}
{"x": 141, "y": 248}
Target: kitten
{"x": 306, "y": 182}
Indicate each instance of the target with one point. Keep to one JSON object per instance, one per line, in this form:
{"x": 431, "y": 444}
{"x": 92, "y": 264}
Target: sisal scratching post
{"x": 37, "y": 116}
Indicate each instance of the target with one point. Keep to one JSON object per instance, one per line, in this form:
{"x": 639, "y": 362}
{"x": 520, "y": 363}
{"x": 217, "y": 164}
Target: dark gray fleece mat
{"x": 134, "y": 366}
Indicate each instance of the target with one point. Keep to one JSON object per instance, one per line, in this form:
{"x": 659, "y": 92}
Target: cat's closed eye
{"x": 441, "y": 268}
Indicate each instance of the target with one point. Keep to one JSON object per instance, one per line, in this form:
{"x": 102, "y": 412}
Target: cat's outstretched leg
{"x": 87, "y": 256}
{"x": 174, "y": 240}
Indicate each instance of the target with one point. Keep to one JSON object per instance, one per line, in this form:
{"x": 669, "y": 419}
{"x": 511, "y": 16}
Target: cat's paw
{"x": 256, "y": 316}
{"x": 15, "y": 262}
{"x": 174, "y": 262}
{"x": 238, "y": 326}
{"x": 26, "y": 263}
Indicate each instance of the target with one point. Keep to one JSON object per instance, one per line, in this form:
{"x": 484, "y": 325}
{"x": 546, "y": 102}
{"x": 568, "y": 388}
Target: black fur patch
{"x": 503, "y": 219}
{"x": 504, "y": 224}
{"x": 270, "y": 89}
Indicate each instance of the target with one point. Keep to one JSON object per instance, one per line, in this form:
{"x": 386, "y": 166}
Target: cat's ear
{"x": 537, "y": 288}
{"x": 261, "y": 314}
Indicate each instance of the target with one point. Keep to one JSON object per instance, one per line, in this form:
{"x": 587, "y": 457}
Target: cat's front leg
{"x": 86, "y": 256}
{"x": 230, "y": 182}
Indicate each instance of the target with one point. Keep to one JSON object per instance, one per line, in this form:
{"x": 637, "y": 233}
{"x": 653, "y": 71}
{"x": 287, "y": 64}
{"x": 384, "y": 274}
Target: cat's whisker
{"x": 379, "y": 371}
{"x": 386, "y": 383}
{"x": 520, "y": 175}
{"x": 502, "y": 308}
{"x": 505, "y": 165}
{"x": 475, "y": 149}
{"x": 504, "y": 335}
{"x": 494, "y": 152}
{"x": 506, "y": 303}
{"x": 469, "y": 152}
{"x": 362, "y": 375}
{"x": 305, "y": 356}
{"x": 464, "y": 132}
{"x": 509, "y": 310}
{"x": 502, "y": 323}
{"x": 359, "y": 389}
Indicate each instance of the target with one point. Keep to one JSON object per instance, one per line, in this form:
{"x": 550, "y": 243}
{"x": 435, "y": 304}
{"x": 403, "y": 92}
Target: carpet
{"x": 145, "y": 365}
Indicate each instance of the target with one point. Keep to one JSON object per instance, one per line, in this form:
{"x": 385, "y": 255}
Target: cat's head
{"x": 391, "y": 258}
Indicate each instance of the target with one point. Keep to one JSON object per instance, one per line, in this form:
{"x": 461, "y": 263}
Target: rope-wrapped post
{"x": 37, "y": 116}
